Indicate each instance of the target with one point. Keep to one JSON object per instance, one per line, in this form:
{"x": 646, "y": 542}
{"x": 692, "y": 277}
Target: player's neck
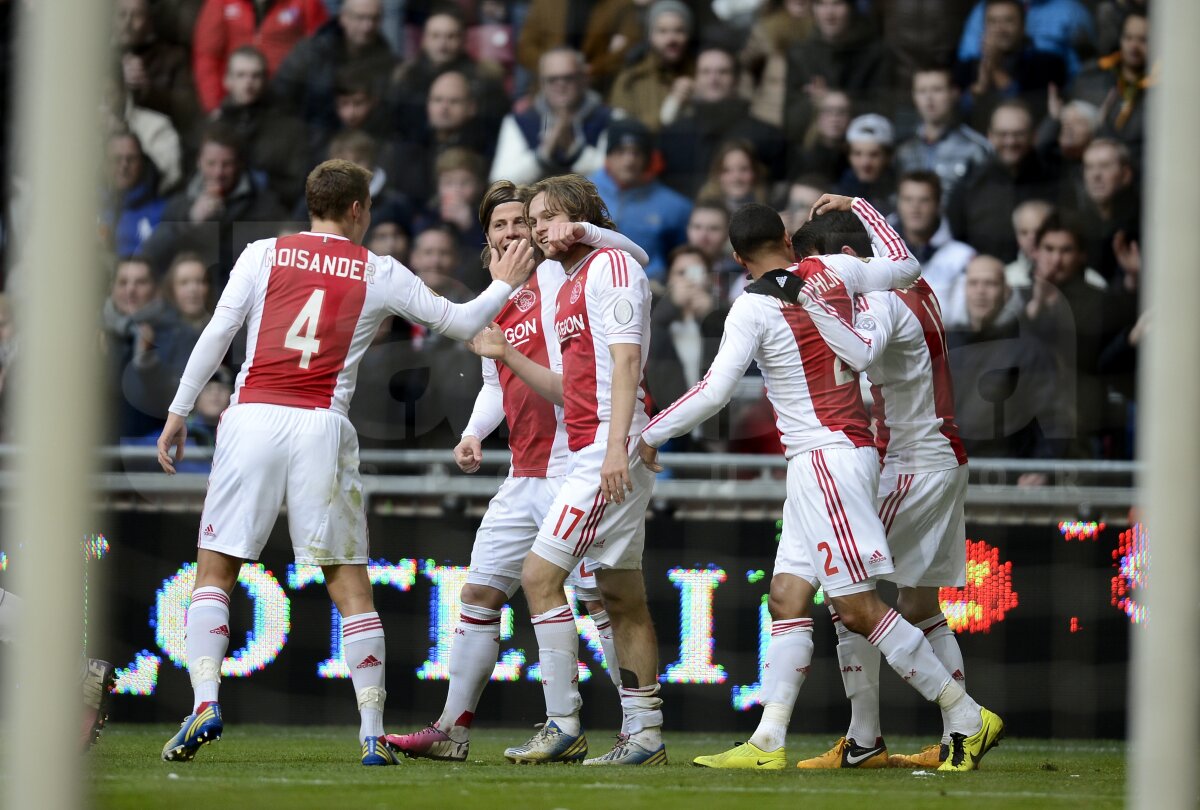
{"x": 768, "y": 262}
{"x": 331, "y": 227}
{"x": 575, "y": 257}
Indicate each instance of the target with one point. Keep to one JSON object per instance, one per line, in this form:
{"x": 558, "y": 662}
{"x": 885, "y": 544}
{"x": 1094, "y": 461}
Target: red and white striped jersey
{"x": 898, "y": 338}
{"x": 603, "y": 302}
{"x": 815, "y": 397}
{"x": 537, "y": 436}
{"x": 312, "y": 303}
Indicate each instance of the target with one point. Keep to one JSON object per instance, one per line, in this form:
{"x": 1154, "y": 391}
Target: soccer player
{"x": 831, "y": 532}
{"x": 312, "y": 303}
{"x": 898, "y": 339}
{"x": 603, "y": 327}
{"x": 538, "y": 441}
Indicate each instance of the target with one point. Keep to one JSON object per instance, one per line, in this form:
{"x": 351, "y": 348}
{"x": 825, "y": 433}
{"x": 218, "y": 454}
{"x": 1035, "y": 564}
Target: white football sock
{"x": 363, "y": 648}
{"x": 558, "y": 653}
{"x": 642, "y": 708}
{"x": 611, "y": 663}
{"x": 789, "y": 654}
{"x": 207, "y": 639}
{"x": 859, "y": 662}
{"x": 472, "y": 660}
{"x": 945, "y": 647}
{"x": 910, "y": 655}
{"x": 10, "y": 615}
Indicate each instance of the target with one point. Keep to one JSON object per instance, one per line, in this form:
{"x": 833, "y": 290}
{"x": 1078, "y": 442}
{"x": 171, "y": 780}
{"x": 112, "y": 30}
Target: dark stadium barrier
{"x": 1044, "y": 626}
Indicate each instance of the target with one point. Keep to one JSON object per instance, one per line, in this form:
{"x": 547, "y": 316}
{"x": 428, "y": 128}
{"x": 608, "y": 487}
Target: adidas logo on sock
{"x": 369, "y": 661}
{"x": 876, "y": 557}
{"x": 958, "y": 675}
{"x": 209, "y": 531}
{"x": 223, "y": 630}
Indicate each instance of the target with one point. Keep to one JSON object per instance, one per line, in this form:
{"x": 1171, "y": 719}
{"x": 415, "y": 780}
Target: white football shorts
{"x": 831, "y": 530}
{"x": 581, "y": 524}
{"x": 267, "y": 455}
{"x": 507, "y": 532}
{"x": 922, "y": 514}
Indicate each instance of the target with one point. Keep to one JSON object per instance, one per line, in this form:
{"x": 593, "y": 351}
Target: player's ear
{"x": 849, "y": 251}
{"x": 737, "y": 257}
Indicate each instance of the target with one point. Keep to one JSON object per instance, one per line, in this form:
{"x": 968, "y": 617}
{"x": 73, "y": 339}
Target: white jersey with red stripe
{"x": 898, "y": 339}
{"x": 604, "y": 301}
{"x": 537, "y": 435}
{"x": 312, "y": 303}
{"x": 816, "y": 399}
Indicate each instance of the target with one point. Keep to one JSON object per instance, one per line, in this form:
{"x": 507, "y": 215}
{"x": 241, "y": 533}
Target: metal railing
{"x": 697, "y": 485}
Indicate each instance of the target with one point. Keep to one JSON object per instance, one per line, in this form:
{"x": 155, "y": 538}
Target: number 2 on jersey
{"x": 302, "y": 334}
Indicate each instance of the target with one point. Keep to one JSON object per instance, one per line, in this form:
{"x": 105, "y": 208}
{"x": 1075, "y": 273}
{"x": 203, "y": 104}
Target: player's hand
{"x": 563, "y": 235}
{"x": 490, "y": 343}
{"x": 830, "y": 202}
{"x": 649, "y": 456}
{"x": 614, "y": 475}
{"x": 516, "y": 264}
{"x": 173, "y": 435}
{"x": 468, "y": 454}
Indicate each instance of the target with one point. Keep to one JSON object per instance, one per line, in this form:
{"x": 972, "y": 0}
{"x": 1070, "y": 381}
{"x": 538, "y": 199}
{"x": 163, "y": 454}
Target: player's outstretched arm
{"x": 892, "y": 267}
{"x": 491, "y": 343}
{"x": 227, "y": 319}
{"x": 858, "y": 344}
{"x": 712, "y": 393}
{"x": 463, "y": 321}
{"x": 599, "y": 237}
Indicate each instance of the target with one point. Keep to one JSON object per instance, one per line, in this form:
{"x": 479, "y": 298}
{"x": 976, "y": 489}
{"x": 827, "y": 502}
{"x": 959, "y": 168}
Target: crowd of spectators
{"x": 1003, "y": 138}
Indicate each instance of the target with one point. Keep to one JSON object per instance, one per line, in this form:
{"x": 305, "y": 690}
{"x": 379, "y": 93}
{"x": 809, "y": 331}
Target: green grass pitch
{"x": 317, "y": 767}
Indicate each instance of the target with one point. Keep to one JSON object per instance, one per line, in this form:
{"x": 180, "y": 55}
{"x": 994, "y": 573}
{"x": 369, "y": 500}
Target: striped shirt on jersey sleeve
{"x": 623, "y": 294}
{"x": 892, "y": 267}
{"x": 739, "y": 343}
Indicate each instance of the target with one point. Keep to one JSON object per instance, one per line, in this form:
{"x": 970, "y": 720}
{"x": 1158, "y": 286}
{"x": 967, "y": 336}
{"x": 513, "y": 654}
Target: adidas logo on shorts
{"x": 209, "y": 531}
{"x": 876, "y": 558}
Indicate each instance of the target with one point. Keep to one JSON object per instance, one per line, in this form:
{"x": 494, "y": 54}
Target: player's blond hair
{"x": 334, "y": 186}
{"x": 574, "y": 196}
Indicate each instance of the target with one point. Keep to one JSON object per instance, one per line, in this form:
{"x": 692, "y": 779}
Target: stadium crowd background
{"x": 1003, "y": 138}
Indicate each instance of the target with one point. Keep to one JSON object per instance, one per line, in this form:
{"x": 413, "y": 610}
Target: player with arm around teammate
{"x": 831, "y": 533}
{"x": 898, "y": 339}
{"x": 311, "y": 303}
{"x": 538, "y": 441}
{"x": 603, "y": 328}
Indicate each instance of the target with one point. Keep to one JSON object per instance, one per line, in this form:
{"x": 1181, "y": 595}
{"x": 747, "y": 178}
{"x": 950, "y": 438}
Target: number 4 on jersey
{"x": 302, "y": 334}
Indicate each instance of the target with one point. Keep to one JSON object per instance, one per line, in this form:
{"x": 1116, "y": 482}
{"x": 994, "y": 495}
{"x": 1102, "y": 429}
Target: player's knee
{"x": 860, "y": 612}
{"x": 788, "y": 599}
{"x": 482, "y": 596}
{"x": 917, "y": 604}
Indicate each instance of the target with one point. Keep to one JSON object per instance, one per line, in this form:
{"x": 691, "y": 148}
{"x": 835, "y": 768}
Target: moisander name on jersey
{"x": 339, "y": 266}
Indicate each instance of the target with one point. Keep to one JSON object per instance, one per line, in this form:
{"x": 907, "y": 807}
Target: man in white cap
{"x": 870, "y": 175}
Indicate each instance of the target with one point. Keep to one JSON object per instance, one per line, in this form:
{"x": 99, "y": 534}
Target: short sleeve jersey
{"x": 312, "y": 303}
{"x": 604, "y": 302}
